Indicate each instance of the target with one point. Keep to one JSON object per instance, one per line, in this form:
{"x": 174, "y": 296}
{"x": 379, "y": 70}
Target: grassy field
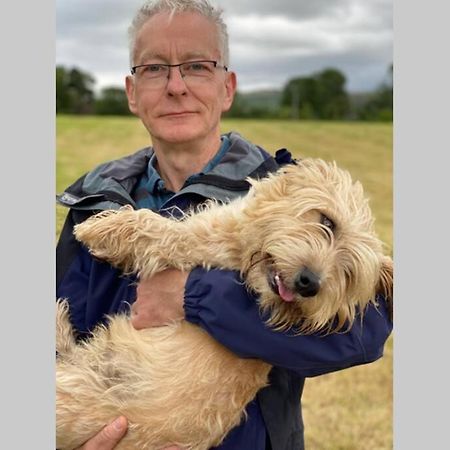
{"x": 348, "y": 410}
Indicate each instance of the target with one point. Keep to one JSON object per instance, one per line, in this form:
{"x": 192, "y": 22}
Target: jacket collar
{"x": 109, "y": 185}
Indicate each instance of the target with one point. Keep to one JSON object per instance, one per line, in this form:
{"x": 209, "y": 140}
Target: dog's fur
{"x": 175, "y": 384}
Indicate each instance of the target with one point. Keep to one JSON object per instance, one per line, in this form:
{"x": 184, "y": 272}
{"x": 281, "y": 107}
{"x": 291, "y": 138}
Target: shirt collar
{"x": 155, "y": 183}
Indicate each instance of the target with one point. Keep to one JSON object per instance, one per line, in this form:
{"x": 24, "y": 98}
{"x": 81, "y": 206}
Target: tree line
{"x": 319, "y": 96}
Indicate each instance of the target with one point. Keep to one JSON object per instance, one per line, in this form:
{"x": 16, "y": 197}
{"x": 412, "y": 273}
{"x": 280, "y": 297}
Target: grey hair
{"x": 203, "y": 7}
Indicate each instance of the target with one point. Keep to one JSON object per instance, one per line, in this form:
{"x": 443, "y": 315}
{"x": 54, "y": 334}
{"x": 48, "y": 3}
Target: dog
{"x": 303, "y": 239}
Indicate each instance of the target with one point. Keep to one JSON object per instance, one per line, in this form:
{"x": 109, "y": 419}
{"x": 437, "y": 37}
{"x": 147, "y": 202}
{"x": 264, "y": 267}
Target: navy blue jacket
{"x": 214, "y": 299}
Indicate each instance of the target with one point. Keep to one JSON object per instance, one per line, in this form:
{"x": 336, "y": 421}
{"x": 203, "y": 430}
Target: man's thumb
{"x": 113, "y": 432}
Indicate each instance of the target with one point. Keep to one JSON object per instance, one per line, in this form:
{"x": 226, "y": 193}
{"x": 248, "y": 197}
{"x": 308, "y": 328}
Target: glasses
{"x": 192, "y": 72}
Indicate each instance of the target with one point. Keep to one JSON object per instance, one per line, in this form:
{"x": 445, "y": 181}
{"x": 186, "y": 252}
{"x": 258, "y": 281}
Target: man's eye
{"x": 198, "y": 67}
{"x": 153, "y": 68}
{"x": 327, "y": 222}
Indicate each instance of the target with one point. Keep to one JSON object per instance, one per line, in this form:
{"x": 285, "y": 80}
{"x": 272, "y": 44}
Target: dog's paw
{"x": 93, "y": 231}
{"x": 62, "y": 310}
{"x": 65, "y": 340}
{"x": 109, "y": 234}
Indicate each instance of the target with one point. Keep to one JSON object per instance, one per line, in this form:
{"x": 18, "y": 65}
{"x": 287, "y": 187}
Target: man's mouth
{"x": 278, "y": 286}
{"x": 177, "y": 114}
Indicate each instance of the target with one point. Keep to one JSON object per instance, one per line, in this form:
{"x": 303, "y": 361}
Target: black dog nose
{"x": 307, "y": 283}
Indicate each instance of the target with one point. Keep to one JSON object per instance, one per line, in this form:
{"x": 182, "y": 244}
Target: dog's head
{"x": 312, "y": 252}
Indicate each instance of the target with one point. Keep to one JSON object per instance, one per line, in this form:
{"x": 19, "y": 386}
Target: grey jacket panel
{"x": 110, "y": 185}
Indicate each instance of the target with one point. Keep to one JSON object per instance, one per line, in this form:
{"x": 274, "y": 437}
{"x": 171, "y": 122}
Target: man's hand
{"x": 159, "y": 299}
{"x": 108, "y": 437}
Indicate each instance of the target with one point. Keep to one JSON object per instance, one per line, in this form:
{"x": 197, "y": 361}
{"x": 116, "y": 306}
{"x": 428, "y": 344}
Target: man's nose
{"x": 176, "y": 84}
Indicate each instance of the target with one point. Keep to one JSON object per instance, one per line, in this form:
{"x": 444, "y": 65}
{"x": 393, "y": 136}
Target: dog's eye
{"x": 327, "y": 222}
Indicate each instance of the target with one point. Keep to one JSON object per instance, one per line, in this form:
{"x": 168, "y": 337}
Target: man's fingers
{"x": 108, "y": 437}
{"x": 113, "y": 432}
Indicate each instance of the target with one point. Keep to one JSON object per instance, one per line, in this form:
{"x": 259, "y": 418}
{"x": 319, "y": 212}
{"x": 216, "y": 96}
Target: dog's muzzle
{"x": 307, "y": 283}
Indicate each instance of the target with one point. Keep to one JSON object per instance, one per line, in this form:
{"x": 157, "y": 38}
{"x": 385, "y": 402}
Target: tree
{"x": 74, "y": 91}
{"x": 112, "y": 101}
{"x": 333, "y": 102}
{"x": 62, "y": 97}
{"x": 300, "y": 95}
{"x": 238, "y": 107}
{"x": 380, "y": 104}
{"x": 319, "y": 96}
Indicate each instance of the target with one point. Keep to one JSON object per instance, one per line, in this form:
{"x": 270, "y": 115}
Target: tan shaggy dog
{"x": 303, "y": 239}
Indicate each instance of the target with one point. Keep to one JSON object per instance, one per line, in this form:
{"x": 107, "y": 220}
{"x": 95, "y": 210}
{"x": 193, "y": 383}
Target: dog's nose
{"x": 307, "y": 283}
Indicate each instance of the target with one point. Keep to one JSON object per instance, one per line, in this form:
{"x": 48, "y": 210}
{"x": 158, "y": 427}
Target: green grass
{"x": 347, "y": 410}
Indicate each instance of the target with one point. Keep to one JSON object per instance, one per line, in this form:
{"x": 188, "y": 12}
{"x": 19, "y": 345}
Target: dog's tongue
{"x": 285, "y": 293}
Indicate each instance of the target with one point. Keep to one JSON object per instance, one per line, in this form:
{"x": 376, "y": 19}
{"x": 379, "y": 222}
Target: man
{"x": 179, "y": 88}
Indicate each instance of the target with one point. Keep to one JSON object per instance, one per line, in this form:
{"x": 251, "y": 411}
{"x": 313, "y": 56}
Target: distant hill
{"x": 270, "y": 98}
{"x": 267, "y": 103}
{"x": 264, "y": 99}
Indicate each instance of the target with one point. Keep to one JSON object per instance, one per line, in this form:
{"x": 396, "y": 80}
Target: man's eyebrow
{"x": 148, "y": 55}
{"x": 154, "y": 56}
{"x": 195, "y": 55}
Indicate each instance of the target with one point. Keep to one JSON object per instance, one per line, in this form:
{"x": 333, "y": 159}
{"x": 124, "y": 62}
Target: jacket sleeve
{"x": 217, "y": 301}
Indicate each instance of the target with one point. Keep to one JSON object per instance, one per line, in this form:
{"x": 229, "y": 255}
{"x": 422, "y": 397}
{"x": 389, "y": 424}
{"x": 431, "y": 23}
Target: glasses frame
{"x": 216, "y": 65}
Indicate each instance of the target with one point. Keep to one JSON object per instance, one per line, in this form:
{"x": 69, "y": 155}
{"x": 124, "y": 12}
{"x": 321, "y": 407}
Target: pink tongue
{"x": 286, "y": 294}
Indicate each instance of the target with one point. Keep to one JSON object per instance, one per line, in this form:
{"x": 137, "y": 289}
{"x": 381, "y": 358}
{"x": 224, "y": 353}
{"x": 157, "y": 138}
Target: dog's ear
{"x": 385, "y": 285}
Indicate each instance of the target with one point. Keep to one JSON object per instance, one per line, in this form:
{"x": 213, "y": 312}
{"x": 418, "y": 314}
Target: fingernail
{"x": 119, "y": 424}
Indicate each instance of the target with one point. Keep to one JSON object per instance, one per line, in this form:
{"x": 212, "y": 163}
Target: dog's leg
{"x": 144, "y": 242}
{"x": 126, "y": 238}
{"x": 65, "y": 340}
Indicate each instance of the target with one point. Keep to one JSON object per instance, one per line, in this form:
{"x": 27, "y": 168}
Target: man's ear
{"x": 131, "y": 95}
{"x": 230, "y": 90}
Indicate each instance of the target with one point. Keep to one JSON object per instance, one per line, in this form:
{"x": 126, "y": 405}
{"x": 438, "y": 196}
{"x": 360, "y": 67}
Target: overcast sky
{"x": 271, "y": 41}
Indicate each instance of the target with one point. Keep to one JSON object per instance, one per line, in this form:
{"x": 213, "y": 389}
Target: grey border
{"x": 28, "y": 225}
{"x": 421, "y": 190}
{"x": 421, "y": 238}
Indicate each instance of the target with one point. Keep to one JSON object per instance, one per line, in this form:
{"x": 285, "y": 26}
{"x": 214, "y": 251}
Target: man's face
{"x": 179, "y": 111}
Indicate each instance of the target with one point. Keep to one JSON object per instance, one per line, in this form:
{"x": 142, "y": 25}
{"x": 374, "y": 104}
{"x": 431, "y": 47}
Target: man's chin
{"x": 180, "y": 133}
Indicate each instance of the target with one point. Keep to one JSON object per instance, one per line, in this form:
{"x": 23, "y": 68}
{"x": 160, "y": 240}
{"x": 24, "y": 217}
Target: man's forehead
{"x": 186, "y": 34}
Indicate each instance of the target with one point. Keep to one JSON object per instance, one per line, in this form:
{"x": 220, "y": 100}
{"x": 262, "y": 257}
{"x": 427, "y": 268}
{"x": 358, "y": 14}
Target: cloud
{"x": 299, "y": 10}
{"x": 270, "y": 42}
{"x": 356, "y": 45}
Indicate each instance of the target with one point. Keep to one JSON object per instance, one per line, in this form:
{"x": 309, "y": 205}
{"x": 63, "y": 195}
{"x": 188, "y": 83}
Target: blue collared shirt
{"x": 151, "y": 191}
